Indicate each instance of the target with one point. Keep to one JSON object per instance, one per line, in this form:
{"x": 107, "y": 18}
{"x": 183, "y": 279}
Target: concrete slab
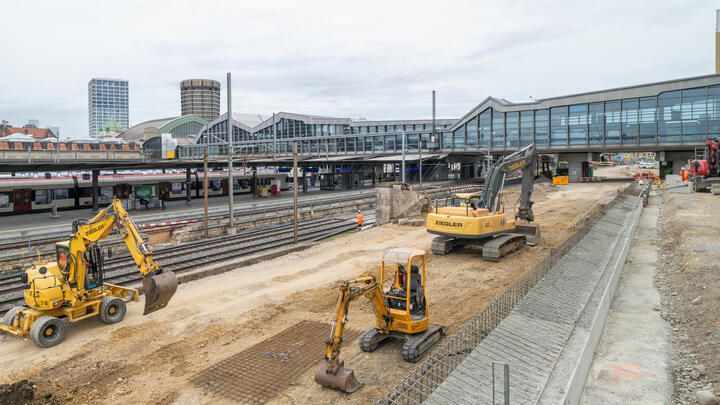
{"x": 631, "y": 362}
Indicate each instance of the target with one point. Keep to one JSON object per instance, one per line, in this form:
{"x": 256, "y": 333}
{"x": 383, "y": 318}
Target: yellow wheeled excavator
{"x": 401, "y": 312}
{"x": 480, "y": 218}
{"x": 72, "y": 288}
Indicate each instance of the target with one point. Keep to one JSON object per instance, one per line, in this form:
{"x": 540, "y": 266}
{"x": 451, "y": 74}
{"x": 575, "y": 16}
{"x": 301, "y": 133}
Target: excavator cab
{"x": 406, "y": 291}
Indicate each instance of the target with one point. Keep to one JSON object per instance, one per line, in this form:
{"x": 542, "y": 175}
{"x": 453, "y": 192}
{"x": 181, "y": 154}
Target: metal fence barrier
{"x": 434, "y": 369}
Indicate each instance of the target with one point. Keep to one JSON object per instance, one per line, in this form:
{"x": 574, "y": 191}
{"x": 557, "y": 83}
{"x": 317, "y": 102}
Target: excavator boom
{"x": 332, "y": 373}
{"x": 158, "y": 285}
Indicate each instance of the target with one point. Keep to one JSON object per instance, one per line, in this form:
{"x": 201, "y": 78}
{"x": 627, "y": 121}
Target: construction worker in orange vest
{"x": 359, "y": 220}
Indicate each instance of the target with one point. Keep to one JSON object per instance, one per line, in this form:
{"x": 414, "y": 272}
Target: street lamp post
{"x": 231, "y": 152}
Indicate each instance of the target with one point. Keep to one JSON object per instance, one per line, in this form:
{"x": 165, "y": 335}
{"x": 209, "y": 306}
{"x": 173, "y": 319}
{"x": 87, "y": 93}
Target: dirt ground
{"x": 690, "y": 288}
{"x": 150, "y": 359}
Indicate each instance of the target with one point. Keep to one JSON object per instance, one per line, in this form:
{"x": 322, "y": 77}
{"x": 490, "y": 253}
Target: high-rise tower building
{"x": 200, "y": 97}
{"x": 108, "y": 105}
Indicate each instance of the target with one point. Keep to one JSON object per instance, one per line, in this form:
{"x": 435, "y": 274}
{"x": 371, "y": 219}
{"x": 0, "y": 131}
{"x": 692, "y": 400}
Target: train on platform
{"x": 67, "y": 191}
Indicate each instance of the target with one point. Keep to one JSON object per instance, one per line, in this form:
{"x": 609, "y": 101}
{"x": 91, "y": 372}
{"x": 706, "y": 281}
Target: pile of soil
{"x": 21, "y": 392}
{"x": 690, "y": 287}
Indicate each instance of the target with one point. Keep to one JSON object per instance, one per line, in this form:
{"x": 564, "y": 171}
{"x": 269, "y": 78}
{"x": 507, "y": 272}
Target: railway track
{"x": 198, "y": 254}
{"x": 194, "y": 217}
{"x": 45, "y": 244}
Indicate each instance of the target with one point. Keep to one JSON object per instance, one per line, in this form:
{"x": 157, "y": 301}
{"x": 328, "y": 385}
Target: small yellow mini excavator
{"x": 401, "y": 312}
{"x": 480, "y": 218}
{"x": 72, "y": 288}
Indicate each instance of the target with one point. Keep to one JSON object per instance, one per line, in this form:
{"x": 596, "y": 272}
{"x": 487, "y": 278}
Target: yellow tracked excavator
{"x": 72, "y": 288}
{"x": 480, "y": 218}
{"x": 401, "y": 312}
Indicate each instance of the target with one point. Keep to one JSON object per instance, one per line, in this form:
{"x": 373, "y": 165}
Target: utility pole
{"x": 57, "y": 146}
{"x": 402, "y": 166}
{"x": 274, "y": 138}
{"x": 295, "y": 193}
{"x": 231, "y": 152}
{"x": 205, "y": 188}
{"x": 433, "y": 139}
{"x": 420, "y": 158}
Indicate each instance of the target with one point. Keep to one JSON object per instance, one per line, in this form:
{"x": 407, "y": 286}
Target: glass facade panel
{"x": 526, "y": 128}
{"x": 484, "y": 141}
{"x": 459, "y": 138}
{"x": 559, "y": 126}
{"x": 669, "y": 117}
{"x": 647, "y": 118}
{"x": 694, "y": 115}
{"x": 512, "y": 128}
{"x": 389, "y": 143}
{"x": 578, "y": 121}
{"x": 713, "y": 110}
{"x": 629, "y": 118}
{"x": 412, "y": 142}
{"x": 542, "y": 128}
{"x": 612, "y": 122}
{"x": 378, "y": 142}
{"x": 596, "y": 123}
{"x": 498, "y": 129}
{"x": 471, "y": 130}
{"x": 447, "y": 140}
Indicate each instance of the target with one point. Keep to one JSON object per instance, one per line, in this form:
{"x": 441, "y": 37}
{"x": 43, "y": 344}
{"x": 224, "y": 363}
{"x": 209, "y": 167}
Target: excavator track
{"x": 416, "y": 346}
{"x": 371, "y": 339}
{"x": 442, "y": 245}
{"x": 502, "y": 245}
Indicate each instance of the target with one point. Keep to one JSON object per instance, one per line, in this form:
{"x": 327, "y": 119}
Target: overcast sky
{"x": 372, "y": 59}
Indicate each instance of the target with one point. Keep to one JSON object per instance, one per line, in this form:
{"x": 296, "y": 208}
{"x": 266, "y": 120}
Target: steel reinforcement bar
{"x": 434, "y": 369}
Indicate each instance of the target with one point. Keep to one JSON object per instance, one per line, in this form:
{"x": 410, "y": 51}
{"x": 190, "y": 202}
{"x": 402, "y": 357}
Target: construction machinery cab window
{"x": 405, "y": 282}
{"x": 62, "y": 252}
{"x": 472, "y": 202}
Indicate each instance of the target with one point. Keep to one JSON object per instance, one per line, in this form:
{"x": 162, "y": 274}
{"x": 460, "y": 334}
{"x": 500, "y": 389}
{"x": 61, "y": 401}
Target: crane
{"x": 73, "y": 288}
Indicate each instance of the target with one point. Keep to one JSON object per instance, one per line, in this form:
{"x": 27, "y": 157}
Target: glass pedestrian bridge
{"x": 670, "y": 115}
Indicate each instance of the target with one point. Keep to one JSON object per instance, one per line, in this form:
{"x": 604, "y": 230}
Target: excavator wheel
{"x": 442, "y": 245}
{"x": 416, "y": 346}
{"x": 371, "y": 339}
{"x": 10, "y": 315}
{"x": 112, "y": 310}
{"x": 47, "y": 331}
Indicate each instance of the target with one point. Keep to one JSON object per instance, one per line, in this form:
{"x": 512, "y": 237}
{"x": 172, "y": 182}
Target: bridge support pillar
{"x": 577, "y": 162}
{"x": 95, "y": 190}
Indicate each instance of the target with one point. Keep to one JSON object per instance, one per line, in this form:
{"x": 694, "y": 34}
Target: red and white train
{"x": 74, "y": 191}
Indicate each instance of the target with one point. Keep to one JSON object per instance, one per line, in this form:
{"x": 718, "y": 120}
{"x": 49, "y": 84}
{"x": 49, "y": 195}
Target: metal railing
{"x": 434, "y": 369}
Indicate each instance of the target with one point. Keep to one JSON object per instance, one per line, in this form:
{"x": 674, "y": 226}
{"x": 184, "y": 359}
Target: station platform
{"x": 27, "y": 224}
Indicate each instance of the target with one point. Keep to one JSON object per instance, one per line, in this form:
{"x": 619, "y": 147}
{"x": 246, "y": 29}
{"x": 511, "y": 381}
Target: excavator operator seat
{"x": 397, "y": 295}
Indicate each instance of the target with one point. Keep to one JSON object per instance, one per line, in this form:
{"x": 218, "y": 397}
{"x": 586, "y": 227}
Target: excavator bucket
{"x": 158, "y": 289}
{"x": 531, "y": 232}
{"x": 343, "y": 380}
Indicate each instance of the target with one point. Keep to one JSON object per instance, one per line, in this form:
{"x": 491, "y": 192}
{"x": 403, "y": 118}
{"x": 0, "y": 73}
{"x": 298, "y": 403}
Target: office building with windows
{"x": 107, "y": 102}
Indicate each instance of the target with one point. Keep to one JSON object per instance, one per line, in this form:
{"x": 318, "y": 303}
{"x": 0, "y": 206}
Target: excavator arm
{"x": 332, "y": 373}
{"x": 158, "y": 286}
{"x": 524, "y": 159}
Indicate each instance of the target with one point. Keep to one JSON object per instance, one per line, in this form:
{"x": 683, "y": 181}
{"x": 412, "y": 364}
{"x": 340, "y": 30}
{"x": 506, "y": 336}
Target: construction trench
{"x": 254, "y": 331}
